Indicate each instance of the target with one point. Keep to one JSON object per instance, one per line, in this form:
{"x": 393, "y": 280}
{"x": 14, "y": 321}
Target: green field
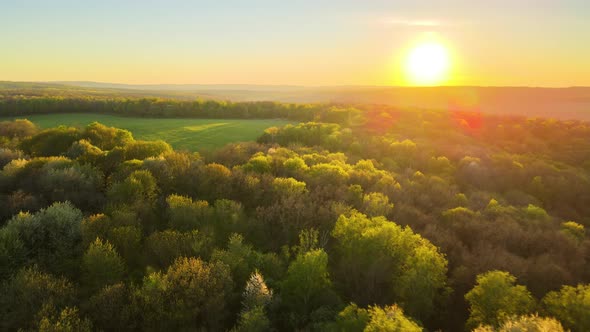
{"x": 183, "y": 134}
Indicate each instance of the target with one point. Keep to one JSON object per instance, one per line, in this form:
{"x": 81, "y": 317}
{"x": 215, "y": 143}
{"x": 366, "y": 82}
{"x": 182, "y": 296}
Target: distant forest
{"x": 365, "y": 218}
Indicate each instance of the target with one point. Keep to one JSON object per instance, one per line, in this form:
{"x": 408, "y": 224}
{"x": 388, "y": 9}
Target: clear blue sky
{"x": 292, "y": 42}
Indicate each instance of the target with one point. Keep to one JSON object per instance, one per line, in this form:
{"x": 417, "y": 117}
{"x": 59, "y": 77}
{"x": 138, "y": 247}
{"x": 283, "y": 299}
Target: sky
{"x": 296, "y": 42}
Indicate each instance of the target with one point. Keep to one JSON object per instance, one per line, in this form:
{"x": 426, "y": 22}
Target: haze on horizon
{"x": 313, "y": 43}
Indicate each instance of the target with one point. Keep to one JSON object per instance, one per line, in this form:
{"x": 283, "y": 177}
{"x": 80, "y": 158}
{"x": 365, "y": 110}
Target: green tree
{"x": 495, "y": 298}
{"x": 112, "y": 309}
{"x": 376, "y": 204}
{"x": 101, "y": 265}
{"x": 532, "y": 323}
{"x": 27, "y": 293}
{"x": 106, "y": 138}
{"x": 574, "y": 230}
{"x": 50, "y": 142}
{"x": 85, "y": 152}
{"x": 144, "y": 149}
{"x": 68, "y": 321}
{"x": 254, "y": 320}
{"x": 571, "y": 305}
{"x": 163, "y": 248}
{"x": 256, "y": 293}
{"x": 186, "y": 215}
{"x": 255, "y": 298}
{"x": 379, "y": 261}
{"x": 190, "y": 295}
{"x": 390, "y": 319}
{"x": 307, "y": 286}
{"x": 18, "y": 128}
{"x": 127, "y": 242}
{"x": 50, "y": 238}
{"x": 350, "y": 319}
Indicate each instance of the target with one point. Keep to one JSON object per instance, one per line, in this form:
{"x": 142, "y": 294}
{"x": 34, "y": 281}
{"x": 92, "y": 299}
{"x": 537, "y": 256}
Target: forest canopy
{"x": 355, "y": 219}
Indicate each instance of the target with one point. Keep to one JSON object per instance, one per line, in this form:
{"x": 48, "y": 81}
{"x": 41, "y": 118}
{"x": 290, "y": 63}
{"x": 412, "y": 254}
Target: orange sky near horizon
{"x": 532, "y": 43}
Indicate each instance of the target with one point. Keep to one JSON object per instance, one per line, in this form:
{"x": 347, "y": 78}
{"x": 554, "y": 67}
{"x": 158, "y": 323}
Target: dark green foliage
{"x": 50, "y": 238}
{"x": 51, "y": 142}
{"x": 67, "y": 321}
{"x": 111, "y": 308}
{"x": 101, "y": 265}
{"x": 30, "y": 292}
{"x": 162, "y": 248}
{"x": 22, "y": 103}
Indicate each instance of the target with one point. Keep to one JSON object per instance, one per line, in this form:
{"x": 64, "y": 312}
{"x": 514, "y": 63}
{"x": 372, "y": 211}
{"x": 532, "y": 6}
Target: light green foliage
{"x": 532, "y": 323}
{"x": 101, "y": 265}
{"x": 288, "y": 187}
{"x": 258, "y": 164}
{"x": 328, "y": 174}
{"x": 309, "y": 133}
{"x": 350, "y": 319}
{"x": 84, "y": 151}
{"x": 390, "y": 319}
{"x": 381, "y": 261}
{"x": 186, "y": 215}
{"x": 495, "y": 298}
{"x": 571, "y": 306}
{"x": 536, "y": 213}
{"x": 138, "y": 188}
{"x": 376, "y": 204}
{"x": 403, "y": 152}
{"x": 459, "y": 214}
{"x": 144, "y": 149}
{"x": 106, "y": 138}
{"x": 574, "y": 230}
{"x": 191, "y": 294}
{"x": 295, "y": 166}
{"x": 307, "y": 285}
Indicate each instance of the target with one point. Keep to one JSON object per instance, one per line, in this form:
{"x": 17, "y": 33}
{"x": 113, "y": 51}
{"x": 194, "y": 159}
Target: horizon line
{"x": 57, "y": 82}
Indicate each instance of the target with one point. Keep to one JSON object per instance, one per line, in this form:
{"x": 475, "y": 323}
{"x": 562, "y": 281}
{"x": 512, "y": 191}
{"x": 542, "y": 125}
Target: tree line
{"x": 19, "y": 105}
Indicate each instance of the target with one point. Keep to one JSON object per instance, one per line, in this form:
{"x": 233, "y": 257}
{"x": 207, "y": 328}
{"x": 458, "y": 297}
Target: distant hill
{"x": 563, "y": 103}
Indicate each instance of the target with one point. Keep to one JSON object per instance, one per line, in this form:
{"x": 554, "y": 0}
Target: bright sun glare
{"x": 427, "y": 64}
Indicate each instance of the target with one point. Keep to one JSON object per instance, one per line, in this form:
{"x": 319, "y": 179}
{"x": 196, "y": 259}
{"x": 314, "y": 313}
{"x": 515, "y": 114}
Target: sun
{"x": 427, "y": 64}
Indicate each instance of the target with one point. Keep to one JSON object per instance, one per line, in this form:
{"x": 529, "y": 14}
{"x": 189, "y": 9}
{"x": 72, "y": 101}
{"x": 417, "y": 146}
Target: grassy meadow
{"x": 182, "y": 133}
